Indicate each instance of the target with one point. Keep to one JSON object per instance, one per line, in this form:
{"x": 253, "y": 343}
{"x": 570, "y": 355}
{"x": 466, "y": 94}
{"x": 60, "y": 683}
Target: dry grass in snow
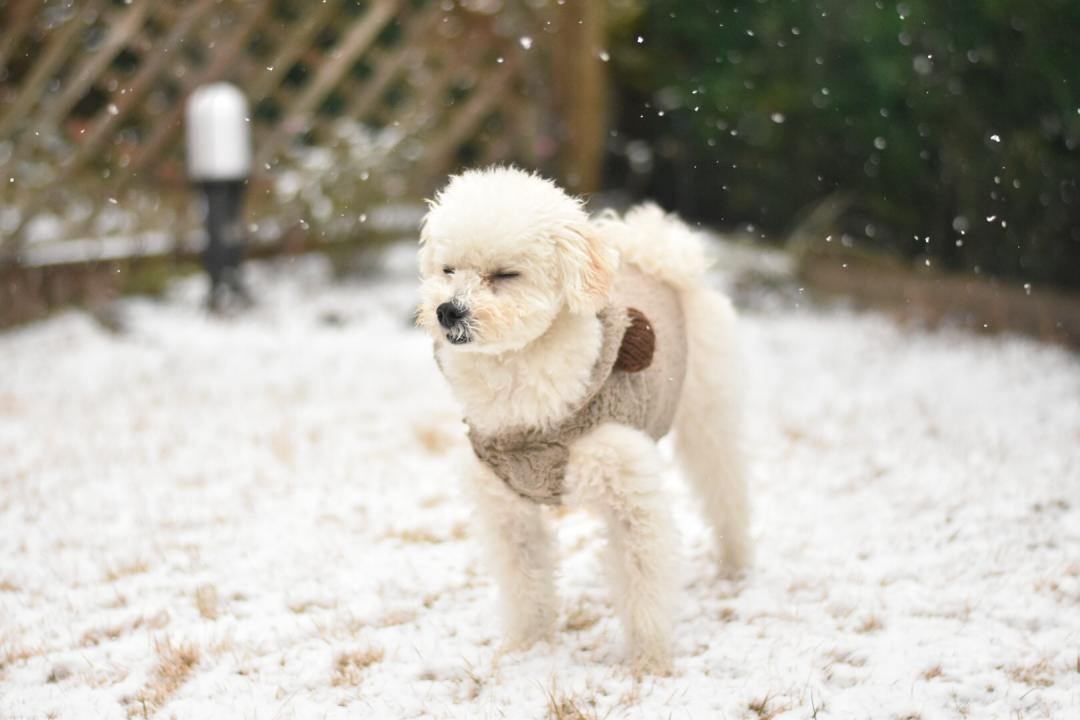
{"x": 349, "y": 665}
{"x": 175, "y": 664}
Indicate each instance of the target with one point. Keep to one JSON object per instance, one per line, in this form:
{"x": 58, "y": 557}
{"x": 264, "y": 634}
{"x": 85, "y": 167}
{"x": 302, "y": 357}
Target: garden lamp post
{"x": 219, "y": 162}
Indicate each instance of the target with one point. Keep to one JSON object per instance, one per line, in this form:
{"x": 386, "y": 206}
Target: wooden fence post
{"x": 582, "y": 96}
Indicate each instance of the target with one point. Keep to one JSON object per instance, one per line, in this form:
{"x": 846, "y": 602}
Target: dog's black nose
{"x": 450, "y": 314}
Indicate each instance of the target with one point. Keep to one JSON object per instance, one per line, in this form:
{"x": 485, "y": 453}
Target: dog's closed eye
{"x": 447, "y": 270}
{"x": 504, "y": 275}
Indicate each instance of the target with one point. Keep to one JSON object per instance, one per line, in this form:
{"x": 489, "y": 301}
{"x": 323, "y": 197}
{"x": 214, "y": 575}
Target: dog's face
{"x": 503, "y": 254}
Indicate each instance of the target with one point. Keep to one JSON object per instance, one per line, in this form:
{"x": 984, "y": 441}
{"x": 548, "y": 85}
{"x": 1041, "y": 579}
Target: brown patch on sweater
{"x": 638, "y": 344}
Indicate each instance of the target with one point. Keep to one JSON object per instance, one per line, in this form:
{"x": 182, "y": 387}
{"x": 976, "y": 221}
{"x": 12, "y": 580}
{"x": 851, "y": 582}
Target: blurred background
{"x": 919, "y": 156}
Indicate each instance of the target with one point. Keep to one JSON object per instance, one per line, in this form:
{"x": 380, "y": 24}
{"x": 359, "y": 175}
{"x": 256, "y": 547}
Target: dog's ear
{"x": 427, "y": 248}
{"x": 587, "y": 262}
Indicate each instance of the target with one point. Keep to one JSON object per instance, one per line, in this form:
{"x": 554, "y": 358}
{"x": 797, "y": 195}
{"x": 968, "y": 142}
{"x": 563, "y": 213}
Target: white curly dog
{"x": 561, "y": 336}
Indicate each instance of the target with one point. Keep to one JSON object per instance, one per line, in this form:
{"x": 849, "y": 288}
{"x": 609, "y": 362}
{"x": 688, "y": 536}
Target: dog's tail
{"x": 659, "y": 244}
{"x": 707, "y": 425}
{"x": 708, "y": 442}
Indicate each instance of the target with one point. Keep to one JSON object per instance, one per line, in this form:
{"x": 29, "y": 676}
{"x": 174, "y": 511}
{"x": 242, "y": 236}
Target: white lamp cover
{"x": 218, "y": 133}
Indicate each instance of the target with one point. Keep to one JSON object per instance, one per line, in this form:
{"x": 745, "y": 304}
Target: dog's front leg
{"x": 519, "y": 550}
{"x": 616, "y": 470}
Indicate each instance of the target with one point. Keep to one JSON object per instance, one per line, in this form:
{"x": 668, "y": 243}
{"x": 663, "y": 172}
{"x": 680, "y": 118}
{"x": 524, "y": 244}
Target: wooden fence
{"x": 92, "y": 91}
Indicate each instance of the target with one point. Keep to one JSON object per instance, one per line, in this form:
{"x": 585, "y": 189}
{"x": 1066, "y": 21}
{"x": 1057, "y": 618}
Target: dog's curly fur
{"x": 528, "y": 270}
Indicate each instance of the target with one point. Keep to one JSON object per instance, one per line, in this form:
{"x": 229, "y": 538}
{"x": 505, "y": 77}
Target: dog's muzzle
{"x": 453, "y": 317}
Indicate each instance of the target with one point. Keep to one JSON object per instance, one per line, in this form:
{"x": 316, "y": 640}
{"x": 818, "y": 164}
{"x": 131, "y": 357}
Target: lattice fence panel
{"x": 92, "y": 94}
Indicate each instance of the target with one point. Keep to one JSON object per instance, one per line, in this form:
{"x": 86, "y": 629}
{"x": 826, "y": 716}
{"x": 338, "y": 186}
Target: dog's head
{"x": 503, "y": 252}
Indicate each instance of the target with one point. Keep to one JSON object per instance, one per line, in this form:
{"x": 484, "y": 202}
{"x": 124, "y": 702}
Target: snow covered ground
{"x": 260, "y": 518}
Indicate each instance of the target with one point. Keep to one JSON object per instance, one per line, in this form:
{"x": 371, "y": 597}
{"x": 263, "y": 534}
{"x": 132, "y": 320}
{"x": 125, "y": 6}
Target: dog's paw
{"x": 736, "y": 557}
{"x": 652, "y": 660}
{"x": 732, "y": 570}
{"x": 525, "y": 633}
{"x": 520, "y": 641}
{"x": 650, "y": 651}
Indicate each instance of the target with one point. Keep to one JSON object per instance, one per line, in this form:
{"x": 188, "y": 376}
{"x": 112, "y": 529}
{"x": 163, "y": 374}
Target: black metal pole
{"x": 225, "y": 241}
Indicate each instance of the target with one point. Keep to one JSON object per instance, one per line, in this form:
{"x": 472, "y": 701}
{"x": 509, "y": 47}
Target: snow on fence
{"x": 97, "y": 88}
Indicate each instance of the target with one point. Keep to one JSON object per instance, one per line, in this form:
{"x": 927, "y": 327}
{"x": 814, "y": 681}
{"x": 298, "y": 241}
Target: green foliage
{"x": 929, "y": 116}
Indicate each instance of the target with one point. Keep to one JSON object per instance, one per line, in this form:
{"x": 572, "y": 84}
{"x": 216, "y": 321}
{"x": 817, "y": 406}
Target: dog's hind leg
{"x": 707, "y": 424}
{"x": 520, "y": 552}
{"x": 615, "y": 470}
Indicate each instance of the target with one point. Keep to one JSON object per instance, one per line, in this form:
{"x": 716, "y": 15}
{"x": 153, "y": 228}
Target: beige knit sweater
{"x": 635, "y": 381}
